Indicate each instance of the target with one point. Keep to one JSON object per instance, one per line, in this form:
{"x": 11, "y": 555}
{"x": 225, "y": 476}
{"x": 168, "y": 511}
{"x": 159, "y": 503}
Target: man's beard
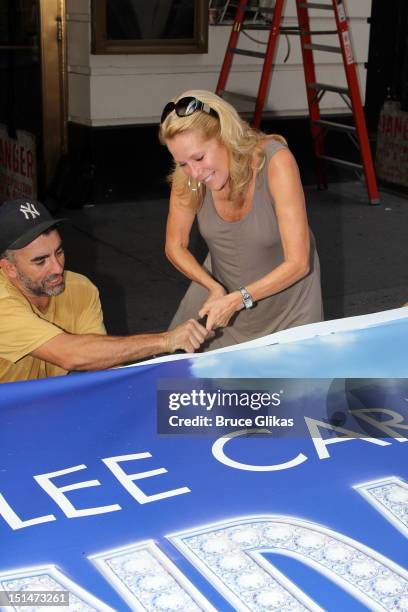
{"x": 40, "y": 288}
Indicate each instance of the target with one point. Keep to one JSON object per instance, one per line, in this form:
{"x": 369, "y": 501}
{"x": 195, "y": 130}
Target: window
{"x": 149, "y": 26}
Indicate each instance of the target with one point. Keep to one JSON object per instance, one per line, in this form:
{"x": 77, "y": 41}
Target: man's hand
{"x": 188, "y": 336}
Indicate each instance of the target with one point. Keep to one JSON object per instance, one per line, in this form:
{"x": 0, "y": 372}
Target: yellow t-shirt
{"x": 23, "y": 328}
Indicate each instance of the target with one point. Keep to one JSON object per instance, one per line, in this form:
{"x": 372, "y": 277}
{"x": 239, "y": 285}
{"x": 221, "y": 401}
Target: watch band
{"x": 246, "y": 298}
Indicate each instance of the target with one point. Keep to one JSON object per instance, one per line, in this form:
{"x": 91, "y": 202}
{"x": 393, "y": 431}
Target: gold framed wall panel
{"x": 54, "y": 83}
{"x": 101, "y": 44}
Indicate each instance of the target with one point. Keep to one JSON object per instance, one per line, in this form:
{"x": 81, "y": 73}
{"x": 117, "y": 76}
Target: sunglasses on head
{"x": 185, "y": 107}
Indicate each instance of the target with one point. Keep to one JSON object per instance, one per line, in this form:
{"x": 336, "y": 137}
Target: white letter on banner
{"x": 218, "y": 452}
{"x": 127, "y": 479}
{"x": 57, "y": 493}
{"x": 15, "y": 522}
{"x": 229, "y": 555}
{"x": 390, "y": 497}
{"x": 396, "y": 420}
{"x": 147, "y": 580}
{"x": 321, "y": 444}
{"x": 52, "y": 581}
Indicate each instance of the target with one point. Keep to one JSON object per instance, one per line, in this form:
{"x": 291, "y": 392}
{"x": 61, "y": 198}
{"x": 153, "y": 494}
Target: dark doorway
{"x": 31, "y": 95}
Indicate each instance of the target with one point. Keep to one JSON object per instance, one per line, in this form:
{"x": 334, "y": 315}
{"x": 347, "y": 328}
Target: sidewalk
{"x": 363, "y": 252}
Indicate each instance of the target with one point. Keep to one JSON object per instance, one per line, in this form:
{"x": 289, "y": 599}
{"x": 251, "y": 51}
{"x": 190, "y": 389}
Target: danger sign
{"x": 18, "y": 172}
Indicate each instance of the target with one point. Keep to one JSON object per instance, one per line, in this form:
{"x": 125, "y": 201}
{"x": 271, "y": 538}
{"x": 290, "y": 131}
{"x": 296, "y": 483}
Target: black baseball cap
{"x": 21, "y": 221}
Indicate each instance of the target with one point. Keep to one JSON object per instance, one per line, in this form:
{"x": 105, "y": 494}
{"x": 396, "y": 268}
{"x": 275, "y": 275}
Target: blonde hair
{"x": 241, "y": 140}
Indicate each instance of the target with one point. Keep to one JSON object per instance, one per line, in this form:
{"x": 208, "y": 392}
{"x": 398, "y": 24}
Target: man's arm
{"x": 97, "y": 352}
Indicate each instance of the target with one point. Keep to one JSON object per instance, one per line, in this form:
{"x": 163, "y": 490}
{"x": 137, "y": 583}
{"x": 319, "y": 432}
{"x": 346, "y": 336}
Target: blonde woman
{"x": 262, "y": 272}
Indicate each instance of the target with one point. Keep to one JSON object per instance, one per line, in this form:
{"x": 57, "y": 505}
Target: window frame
{"x": 102, "y": 46}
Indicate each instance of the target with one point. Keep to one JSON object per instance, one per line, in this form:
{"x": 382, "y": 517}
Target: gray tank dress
{"x": 240, "y": 253}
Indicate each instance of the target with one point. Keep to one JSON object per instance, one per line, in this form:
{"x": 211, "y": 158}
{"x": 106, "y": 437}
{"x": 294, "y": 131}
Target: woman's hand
{"x": 214, "y": 294}
{"x": 219, "y": 307}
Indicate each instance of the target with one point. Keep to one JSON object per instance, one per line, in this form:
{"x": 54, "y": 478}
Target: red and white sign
{"x": 392, "y": 144}
{"x": 341, "y": 12}
{"x": 18, "y": 167}
{"x": 347, "y": 47}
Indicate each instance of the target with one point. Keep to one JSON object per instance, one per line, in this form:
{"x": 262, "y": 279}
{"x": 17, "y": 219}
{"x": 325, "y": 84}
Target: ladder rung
{"x": 328, "y": 48}
{"x": 315, "y": 5}
{"x": 248, "y": 53}
{"x": 325, "y": 87}
{"x": 340, "y": 162}
{"x": 238, "y": 96}
{"x": 255, "y": 26}
{"x": 300, "y": 31}
{"x": 320, "y": 32}
{"x": 332, "y": 125}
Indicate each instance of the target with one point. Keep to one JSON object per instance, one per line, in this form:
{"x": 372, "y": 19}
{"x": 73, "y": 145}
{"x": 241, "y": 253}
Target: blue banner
{"x": 97, "y": 501}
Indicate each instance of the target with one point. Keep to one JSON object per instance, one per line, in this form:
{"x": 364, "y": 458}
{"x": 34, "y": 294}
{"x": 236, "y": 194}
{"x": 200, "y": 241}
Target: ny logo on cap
{"x": 29, "y": 209}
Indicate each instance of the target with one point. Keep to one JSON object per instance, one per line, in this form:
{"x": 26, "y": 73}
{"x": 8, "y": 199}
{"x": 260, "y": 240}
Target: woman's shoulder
{"x": 267, "y": 148}
{"x": 274, "y": 143}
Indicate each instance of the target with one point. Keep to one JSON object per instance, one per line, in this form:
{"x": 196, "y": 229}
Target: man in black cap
{"x": 51, "y": 319}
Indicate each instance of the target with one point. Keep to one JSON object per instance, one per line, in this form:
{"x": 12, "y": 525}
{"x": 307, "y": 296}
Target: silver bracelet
{"x": 246, "y": 298}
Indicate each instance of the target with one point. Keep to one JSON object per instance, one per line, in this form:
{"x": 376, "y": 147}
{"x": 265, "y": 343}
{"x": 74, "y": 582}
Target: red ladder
{"x": 315, "y": 90}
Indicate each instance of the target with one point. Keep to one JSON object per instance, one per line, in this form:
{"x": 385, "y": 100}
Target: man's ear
{"x": 9, "y": 268}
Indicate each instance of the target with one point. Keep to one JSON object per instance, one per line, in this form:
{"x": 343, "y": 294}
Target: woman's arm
{"x": 179, "y": 222}
{"x": 286, "y": 189}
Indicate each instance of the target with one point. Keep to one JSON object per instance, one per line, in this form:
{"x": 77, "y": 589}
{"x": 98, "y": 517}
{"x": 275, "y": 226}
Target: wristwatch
{"x": 246, "y": 298}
